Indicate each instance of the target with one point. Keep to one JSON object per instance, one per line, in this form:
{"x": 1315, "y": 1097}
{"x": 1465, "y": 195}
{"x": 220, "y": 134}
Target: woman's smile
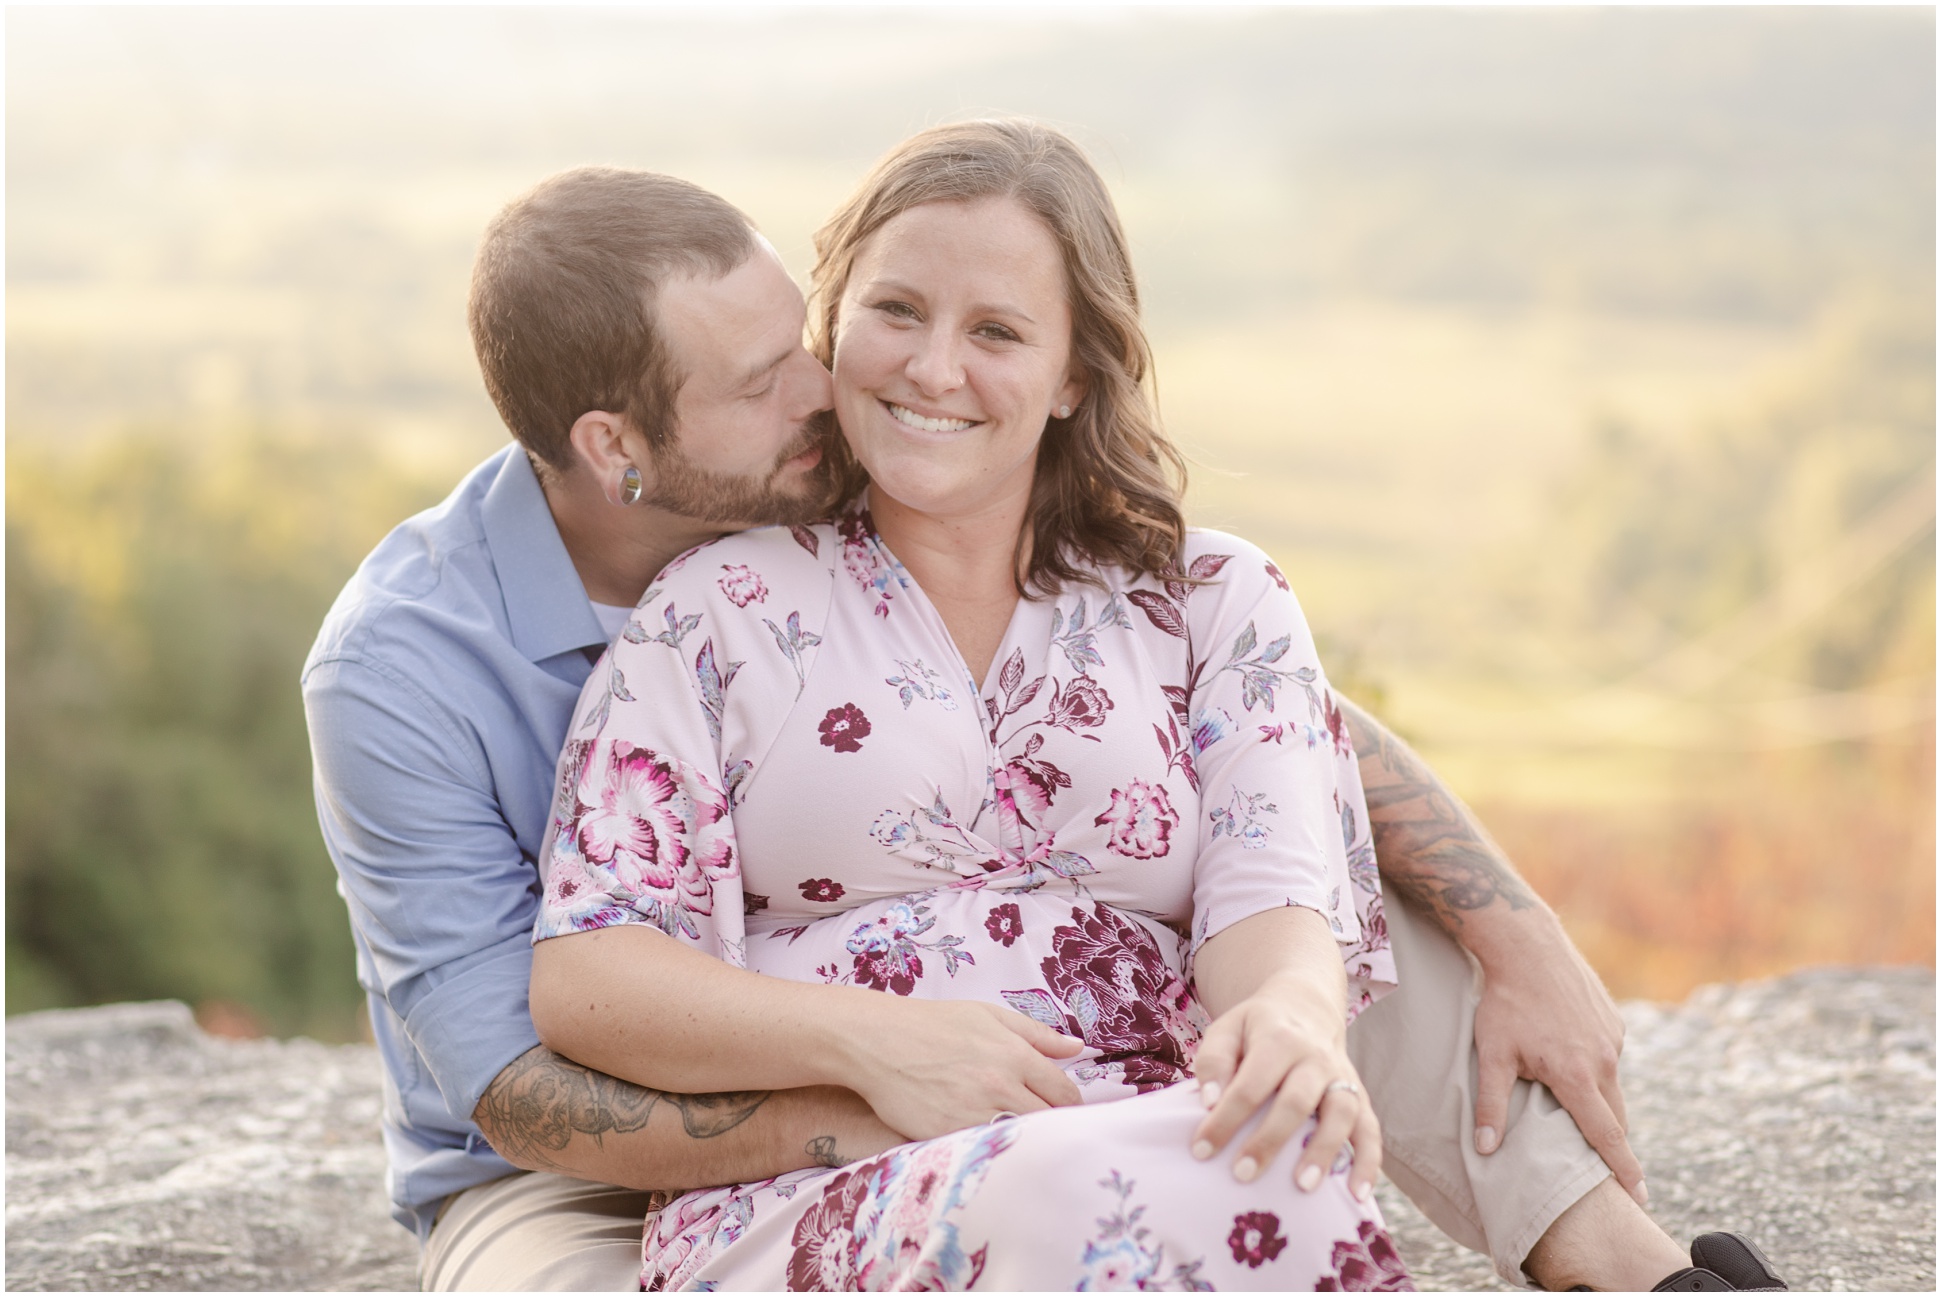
{"x": 909, "y": 418}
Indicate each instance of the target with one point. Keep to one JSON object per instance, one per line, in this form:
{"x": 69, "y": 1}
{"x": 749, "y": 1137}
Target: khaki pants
{"x": 536, "y": 1232}
{"x": 1416, "y": 1055}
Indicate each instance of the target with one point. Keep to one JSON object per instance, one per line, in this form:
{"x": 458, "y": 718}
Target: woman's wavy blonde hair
{"x": 1109, "y": 482}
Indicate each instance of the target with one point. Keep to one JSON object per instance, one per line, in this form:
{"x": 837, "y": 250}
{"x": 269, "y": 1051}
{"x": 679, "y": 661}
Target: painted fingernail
{"x": 1363, "y": 1192}
{"x": 1202, "y": 1150}
{"x": 1209, "y": 1093}
{"x": 1486, "y": 1139}
{"x": 1245, "y": 1169}
{"x": 1308, "y": 1178}
{"x": 1643, "y": 1197}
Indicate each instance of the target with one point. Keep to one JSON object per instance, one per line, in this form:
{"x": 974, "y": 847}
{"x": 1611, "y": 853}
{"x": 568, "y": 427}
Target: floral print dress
{"x": 784, "y": 762}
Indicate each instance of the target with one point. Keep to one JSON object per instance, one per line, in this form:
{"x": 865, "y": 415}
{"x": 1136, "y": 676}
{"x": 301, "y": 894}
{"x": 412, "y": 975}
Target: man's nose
{"x": 816, "y": 391}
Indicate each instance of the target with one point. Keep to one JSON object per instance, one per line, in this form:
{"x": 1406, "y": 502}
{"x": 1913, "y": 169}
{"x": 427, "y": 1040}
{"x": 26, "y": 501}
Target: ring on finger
{"x": 1347, "y": 1087}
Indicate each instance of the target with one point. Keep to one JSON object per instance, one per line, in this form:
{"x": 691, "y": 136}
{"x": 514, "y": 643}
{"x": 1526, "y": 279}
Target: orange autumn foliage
{"x": 1821, "y": 857}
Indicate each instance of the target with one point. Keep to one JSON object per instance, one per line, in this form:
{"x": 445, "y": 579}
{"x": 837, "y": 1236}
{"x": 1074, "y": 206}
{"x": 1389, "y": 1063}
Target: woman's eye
{"x": 996, "y": 333}
{"x": 898, "y": 310}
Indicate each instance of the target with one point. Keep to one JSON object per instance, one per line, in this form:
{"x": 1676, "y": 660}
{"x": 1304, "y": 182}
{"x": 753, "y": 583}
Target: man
{"x": 644, "y": 345}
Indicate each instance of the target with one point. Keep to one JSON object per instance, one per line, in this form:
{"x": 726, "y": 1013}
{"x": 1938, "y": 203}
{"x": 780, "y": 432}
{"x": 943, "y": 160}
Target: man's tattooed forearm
{"x": 822, "y": 1152}
{"x": 534, "y": 1108}
{"x": 1430, "y": 849}
{"x": 703, "y": 1116}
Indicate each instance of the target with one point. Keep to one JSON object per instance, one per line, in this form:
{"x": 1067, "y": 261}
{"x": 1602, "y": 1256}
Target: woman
{"x": 1031, "y": 804}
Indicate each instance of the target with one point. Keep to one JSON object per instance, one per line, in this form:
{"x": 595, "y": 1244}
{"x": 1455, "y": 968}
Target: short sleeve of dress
{"x": 1284, "y": 820}
{"x": 668, "y": 730}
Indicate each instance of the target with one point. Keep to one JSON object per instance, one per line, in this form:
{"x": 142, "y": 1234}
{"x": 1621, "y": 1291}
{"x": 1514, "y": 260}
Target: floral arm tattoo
{"x": 533, "y": 1109}
{"x": 1430, "y": 848}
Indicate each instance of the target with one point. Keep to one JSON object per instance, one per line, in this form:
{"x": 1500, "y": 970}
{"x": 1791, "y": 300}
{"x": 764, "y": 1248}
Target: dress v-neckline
{"x": 942, "y": 628}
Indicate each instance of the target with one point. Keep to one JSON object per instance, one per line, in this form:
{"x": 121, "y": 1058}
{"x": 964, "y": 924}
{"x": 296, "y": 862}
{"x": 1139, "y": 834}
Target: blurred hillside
{"x": 160, "y": 829}
{"x": 1578, "y": 366}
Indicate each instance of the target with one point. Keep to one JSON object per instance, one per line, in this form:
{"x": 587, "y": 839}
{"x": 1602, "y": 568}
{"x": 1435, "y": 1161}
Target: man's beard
{"x": 752, "y": 500}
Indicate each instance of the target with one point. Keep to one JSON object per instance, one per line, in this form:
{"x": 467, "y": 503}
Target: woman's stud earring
{"x": 630, "y": 486}
{"x": 1064, "y": 411}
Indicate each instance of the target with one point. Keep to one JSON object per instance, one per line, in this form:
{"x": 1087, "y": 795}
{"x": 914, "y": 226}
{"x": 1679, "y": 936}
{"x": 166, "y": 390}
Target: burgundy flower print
{"x": 1366, "y": 1264}
{"x": 1279, "y": 580}
{"x": 1026, "y": 785}
{"x": 1005, "y": 924}
{"x": 1128, "y": 1002}
{"x": 825, "y": 1242}
{"x": 742, "y": 585}
{"x": 895, "y": 970}
{"x": 1160, "y": 611}
{"x": 825, "y": 890}
{"x": 1256, "y": 1238}
{"x": 1017, "y": 694}
{"x": 1082, "y": 704}
{"x": 1374, "y": 927}
{"x": 751, "y": 903}
{"x": 864, "y": 560}
{"x": 658, "y": 829}
{"x": 1142, "y": 820}
{"x": 1176, "y": 748}
{"x": 1337, "y": 726}
{"x": 844, "y": 728}
{"x": 887, "y": 954}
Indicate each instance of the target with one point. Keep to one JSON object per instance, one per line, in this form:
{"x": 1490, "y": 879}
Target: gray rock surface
{"x": 143, "y": 1155}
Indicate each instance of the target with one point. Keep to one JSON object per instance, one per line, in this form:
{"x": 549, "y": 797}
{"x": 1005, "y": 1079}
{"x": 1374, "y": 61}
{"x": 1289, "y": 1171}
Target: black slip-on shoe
{"x": 1724, "y": 1262}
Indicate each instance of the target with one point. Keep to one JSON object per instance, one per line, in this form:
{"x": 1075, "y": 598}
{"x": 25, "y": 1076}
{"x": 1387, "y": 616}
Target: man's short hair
{"x": 563, "y": 305}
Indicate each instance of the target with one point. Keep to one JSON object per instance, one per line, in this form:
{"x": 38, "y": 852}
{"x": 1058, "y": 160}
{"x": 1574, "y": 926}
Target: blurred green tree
{"x": 161, "y": 838}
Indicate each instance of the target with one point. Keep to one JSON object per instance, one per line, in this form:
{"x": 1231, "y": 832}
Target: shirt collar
{"x": 545, "y": 603}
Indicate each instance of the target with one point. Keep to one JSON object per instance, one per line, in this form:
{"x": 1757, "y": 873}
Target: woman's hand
{"x": 1286, "y": 1048}
{"x": 1279, "y": 1037}
{"x": 929, "y": 1067}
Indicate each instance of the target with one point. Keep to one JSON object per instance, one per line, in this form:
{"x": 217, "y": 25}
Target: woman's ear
{"x": 601, "y": 446}
{"x": 1068, "y": 396}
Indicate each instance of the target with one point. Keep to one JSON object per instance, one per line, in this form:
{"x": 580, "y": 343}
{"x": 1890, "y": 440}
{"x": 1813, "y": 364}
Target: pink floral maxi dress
{"x": 784, "y": 762}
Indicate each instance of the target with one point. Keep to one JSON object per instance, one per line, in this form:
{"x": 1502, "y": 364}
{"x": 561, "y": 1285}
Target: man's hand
{"x": 1544, "y": 1015}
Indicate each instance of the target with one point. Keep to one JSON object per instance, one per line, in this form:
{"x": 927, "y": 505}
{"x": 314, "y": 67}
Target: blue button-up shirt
{"x": 438, "y": 696}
